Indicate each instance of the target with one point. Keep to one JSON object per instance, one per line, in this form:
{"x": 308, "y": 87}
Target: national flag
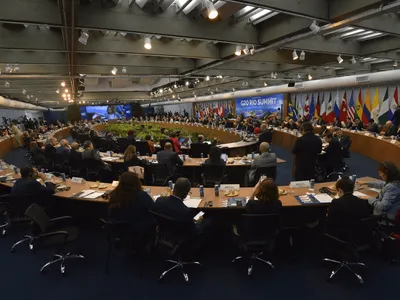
{"x": 317, "y": 112}
{"x": 375, "y": 106}
{"x": 291, "y": 113}
{"x": 322, "y": 111}
{"x": 367, "y": 108}
{"x": 307, "y": 107}
{"x": 300, "y": 111}
{"x": 336, "y": 106}
{"x": 312, "y": 106}
{"x": 394, "y": 104}
{"x": 359, "y": 107}
{"x": 385, "y": 108}
{"x": 330, "y": 114}
{"x": 351, "y": 112}
{"x": 343, "y": 108}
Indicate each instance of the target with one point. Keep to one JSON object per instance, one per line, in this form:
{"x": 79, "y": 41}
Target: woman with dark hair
{"x": 131, "y": 159}
{"x": 131, "y": 137}
{"x": 265, "y": 199}
{"x": 214, "y": 157}
{"x": 177, "y": 146}
{"x": 151, "y": 143}
{"x": 388, "y": 200}
{"x": 130, "y": 204}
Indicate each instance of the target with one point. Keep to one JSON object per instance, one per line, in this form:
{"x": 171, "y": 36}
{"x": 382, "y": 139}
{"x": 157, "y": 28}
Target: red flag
{"x": 343, "y": 108}
{"x": 307, "y": 107}
{"x": 317, "y": 108}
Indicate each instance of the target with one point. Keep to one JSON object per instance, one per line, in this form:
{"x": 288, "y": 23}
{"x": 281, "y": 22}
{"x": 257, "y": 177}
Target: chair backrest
{"x": 115, "y": 230}
{"x": 197, "y": 148}
{"x": 122, "y": 144}
{"x": 59, "y": 159}
{"x": 38, "y": 217}
{"x": 361, "y": 231}
{"x": 171, "y": 228}
{"x": 397, "y": 222}
{"x": 17, "y": 203}
{"x": 92, "y": 165}
{"x": 260, "y": 226}
{"x": 213, "y": 174}
{"x": 143, "y": 147}
{"x": 164, "y": 141}
{"x": 270, "y": 172}
{"x": 160, "y": 173}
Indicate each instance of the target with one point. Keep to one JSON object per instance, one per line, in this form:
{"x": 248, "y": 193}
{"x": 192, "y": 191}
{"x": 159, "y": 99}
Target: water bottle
{"x": 216, "y": 189}
{"x": 43, "y": 171}
{"x": 312, "y": 183}
{"x": 354, "y": 178}
{"x": 138, "y": 153}
{"x": 15, "y": 170}
{"x": 63, "y": 177}
{"x": 202, "y": 155}
{"x": 110, "y": 153}
{"x": 184, "y": 156}
{"x": 201, "y": 191}
{"x": 170, "y": 184}
{"x": 252, "y": 155}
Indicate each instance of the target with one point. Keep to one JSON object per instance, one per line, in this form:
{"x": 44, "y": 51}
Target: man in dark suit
{"x": 28, "y": 184}
{"x": 50, "y": 149}
{"x": 306, "y": 150}
{"x": 373, "y": 126}
{"x": 169, "y": 157}
{"x": 265, "y": 159}
{"x": 333, "y": 153}
{"x": 390, "y": 129}
{"x": 63, "y": 150}
{"x": 75, "y": 157}
{"x": 396, "y": 117}
{"x": 89, "y": 153}
{"x": 131, "y": 137}
{"x": 265, "y": 135}
{"x": 345, "y": 210}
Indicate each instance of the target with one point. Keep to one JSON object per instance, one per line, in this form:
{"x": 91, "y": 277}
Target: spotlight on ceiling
{"x": 124, "y": 70}
{"x": 28, "y": 97}
{"x": 84, "y": 37}
{"x": 265, "y": 84}
{"x": 63, "y": 83}
{"x": 353, "y": 60}
{"x": 314, "y": 27}
{"x": 173, "y": 96}
{"x": 252, "y": 50}
{"x": 175, "y": 86}
{"x": 24, "y": 91}
{"x": 246, "y": 50}
{"x": 64, "y": 95}
{"x": 147, "y": 43}
{"x": 294, "y": 55}
{"x": 58, "y": 91}
{"x": 233, "y": 89}
{"x": 187, "y": 83}
{"x": 114, "y": 71}
{"x": 302, "y": 55}
{"x": 395, "y": 63}
{"x": 339, "y": 59}
{"x": 309, "y": 77}
{"x": 66, "y": 90}
{"x": 8, "y": 68}
{"x": 298, "y": 76}
{"x": 207, "y": 78}
{"x": 160, "y": 91}
{"x": 238, "y": 50}
{"x": 7, "y": 84}
{"x": 16, "y": 68}
{"x": 212, "y": 13}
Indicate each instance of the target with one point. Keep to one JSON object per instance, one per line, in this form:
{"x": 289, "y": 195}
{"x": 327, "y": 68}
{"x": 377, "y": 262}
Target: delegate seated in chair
{"x": 64, "y": 150}
{"x": 333, "y": 154}
{"x": 265, "y": 159}
{"x": 92, "y": 157}
{"x": 28, "y": 183}
{"x": 169, "y": 158}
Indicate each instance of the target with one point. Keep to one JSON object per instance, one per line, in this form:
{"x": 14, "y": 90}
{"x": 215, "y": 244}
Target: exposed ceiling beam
{"x": 339, "y": 9}
{"x": 385, "y": 44}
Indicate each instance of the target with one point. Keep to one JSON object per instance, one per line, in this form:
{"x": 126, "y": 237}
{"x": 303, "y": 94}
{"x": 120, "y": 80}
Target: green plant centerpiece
{"x": 154, "y": 130}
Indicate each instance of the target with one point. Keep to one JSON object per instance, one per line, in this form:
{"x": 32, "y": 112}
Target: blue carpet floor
{"x": 218, "y": 279}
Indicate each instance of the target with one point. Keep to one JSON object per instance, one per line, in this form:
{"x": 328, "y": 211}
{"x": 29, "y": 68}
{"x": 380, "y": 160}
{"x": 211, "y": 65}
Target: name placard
{"x": 77, "y": 180}
{"x": 393, "y": 141}
{"x": 300, "y": 184}
{"x": 229, "y": 187}
{"x": 380, "y": 137}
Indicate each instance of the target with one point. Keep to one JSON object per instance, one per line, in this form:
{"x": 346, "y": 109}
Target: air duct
{"x": 7, "y": 103}
{"x": 306, "y": 86}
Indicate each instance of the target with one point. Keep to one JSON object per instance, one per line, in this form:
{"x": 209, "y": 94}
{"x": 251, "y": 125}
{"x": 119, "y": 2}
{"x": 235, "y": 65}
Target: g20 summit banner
{"x": 259, "y": 106}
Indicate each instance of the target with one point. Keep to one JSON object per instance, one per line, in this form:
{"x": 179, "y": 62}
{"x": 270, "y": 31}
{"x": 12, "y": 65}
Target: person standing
{"x": 17, "y": 134}
{"x": 306, "y": 150}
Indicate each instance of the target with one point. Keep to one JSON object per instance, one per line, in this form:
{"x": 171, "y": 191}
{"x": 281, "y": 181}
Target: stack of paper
{"x": 323, "y": 198}
{"x": 360, "y": 195}
{"x": 192, "y": 202}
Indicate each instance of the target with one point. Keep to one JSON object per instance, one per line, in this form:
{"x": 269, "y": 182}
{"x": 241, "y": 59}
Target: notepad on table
{"x": 323, "y": 198}
{"x": 94, "y": 195}
{"x": 85, "y": 193}
{"x": 192, "y": 202}
{"x": 361, "y": 195}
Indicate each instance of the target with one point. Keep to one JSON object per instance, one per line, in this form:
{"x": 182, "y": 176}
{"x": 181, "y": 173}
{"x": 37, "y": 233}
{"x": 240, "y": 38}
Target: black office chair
{"x": 59, "y": 163}
{"x": 213, "y": 174}
{"x": 164, "y": 141}
{"x": 46, "y": 234}
{"x": 196, "y": 149}
{"x": 5, "y": 221}
{"x": 270, "y": 172}
{"x": 346, "y": 250}
{"x": 255, "y": 236}
{"x": 92, "y": 168}
{"x": 160, "y": 174}
{"x": 175, "y": 240}
{"x": 122, "y": 144}
{"x": 143, "y": 148}
{"x": 76, "y": 166}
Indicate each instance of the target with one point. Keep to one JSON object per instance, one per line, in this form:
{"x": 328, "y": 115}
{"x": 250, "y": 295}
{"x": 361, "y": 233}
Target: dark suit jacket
{"x": 374, "y": 128}
{"x": 306, "y": 150}
{"x": 170, "y": 158}
{"x": 333, "y": 155}
{"x": 258, "y": 207}
{"x": 75, "y": 158}
{"x": 265, "y": 136}
{"x": 131, "y": 139}
{"x": 50, "y": 151}
{"x": 392, "y": 130}
{"x": 338, "y": 124}
{"x": 64, "y": 152}
{"x": 37, "y": 154}
{"x": 30, "y": 186}
{"x": 92, "y": 154}
{"x": 396, "y": 117}
{"x": 343, "y": 212}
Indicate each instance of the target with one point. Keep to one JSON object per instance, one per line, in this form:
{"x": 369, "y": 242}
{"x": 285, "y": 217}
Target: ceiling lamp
{"x": 238, "y": 50}
{"x": 66, "y": 90}
{"x": 114, "y": 71}
{"x": 314, "y": 27}
{"x": 207, "y": 78}
{"x": 8, "y": 68}
{"x": 28, "y": 97}
{"x": 64, "y": 95}
{"x": 173, "y": 96}
{"x": 395, "y": 63}
{"x": 233, "y": 89}
{"x": 84, "y": 37}
{"x": 124, "y": 70}
{"x": 309, "y": 77}
{"x": 299, "y": 76}
{"x": 63, "y": 83}
{"x": 16, "y": 68}
{"x": 187, "y": 83}
{"x": 58, "y": 91}
{"x": 147, "y": 43}
{"x": 246, "y": 50}
{"x": 175, "y": 86}
{"x": 265, "y": 84}
{"x": 302, "y": 55}
{"x": 252, "y": 50}
{"x": 7, "y": 84}
{"x": 24, "y": 91}
{"x": 340, "y": 59}
{"x": 353, "y": 60}
{"x": 212, "y": 13}
{"x": 294, "y": 55}
{"x": 160, "y": 91}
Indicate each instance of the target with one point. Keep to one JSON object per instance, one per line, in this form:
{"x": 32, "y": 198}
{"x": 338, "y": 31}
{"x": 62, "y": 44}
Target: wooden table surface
{"x": 189, "y": 162}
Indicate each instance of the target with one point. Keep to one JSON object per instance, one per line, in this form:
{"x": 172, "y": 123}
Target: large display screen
{"x": 259, "y": 106}
{"x": 106, "y": 112}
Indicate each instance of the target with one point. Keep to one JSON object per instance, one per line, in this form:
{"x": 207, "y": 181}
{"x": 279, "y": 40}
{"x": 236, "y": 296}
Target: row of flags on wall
{"x": 350, "y": 106}
{"x": 212, "y": 108}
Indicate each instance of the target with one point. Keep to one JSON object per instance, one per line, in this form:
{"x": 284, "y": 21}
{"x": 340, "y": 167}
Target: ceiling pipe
{"x": 301, "y": 87}
{"x": 323, "y": 29}
{"x": 13, "y": 104}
